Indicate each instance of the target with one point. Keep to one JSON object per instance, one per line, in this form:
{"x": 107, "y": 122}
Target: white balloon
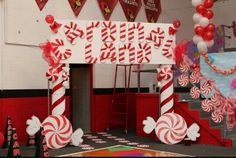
{"x": 197, "y": 17}
{"x": 196, "y": 2}
{"x": 202, "y": 47}
{"x": 197, "y": 39}
{"x": 210, "y": 43}
{"x": 204, "y": 22}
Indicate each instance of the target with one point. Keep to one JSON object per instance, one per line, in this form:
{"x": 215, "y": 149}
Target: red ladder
{"x": 120, "y": 101}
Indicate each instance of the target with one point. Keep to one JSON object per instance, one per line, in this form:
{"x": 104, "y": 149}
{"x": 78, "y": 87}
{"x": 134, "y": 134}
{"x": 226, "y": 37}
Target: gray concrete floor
{"x": 193, "y": 150}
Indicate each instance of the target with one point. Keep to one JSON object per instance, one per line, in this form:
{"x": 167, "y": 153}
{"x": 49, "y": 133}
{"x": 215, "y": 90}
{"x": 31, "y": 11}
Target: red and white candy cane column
{"x": 58, "y": 92}
{"x": 165, "y": 76}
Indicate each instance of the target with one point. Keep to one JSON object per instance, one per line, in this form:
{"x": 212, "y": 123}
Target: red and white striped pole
{"x": 58, "y": 89}
{"x": 165, "y": 77}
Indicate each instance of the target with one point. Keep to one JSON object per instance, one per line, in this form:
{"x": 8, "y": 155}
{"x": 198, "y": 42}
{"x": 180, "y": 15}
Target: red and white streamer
{"x": 58, "y": 93}
{"x": 72, "y": 31}
{"x": 108, "y": 31}
{"x": 108, "y": 51}
{"x": 89, "y": 54}
{"x": 58, "y": 50}
{"x": 123, "y": 28}
{"x": 131, "y": 50}
{"x": 144, "y": 53}
{"x": 166, "y": 89}
{"x": 90, "y": 29}
{"x": 157, "y": 36}
{"x": 132, "y": 27}
{"x": 166, "y": 49}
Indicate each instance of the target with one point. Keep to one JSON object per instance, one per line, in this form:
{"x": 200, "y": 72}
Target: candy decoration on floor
{"x": 165, "y": 76}
{"x": 195, "y": 92}
{"x": 72, "y": 32}
{"x": 14, "y": 147}
{"x": 171, "y": 128}
{"x": 76, "y": 6}
{"x": 131, "y": 10}
{"x": 8, "y": 133}
{"x": 152, "y": 10}
{"x": 42, "y": 148}
{"x": 57, "y": 130}
{"x": 41, "y": 4}
{"x": 107, "y": 7}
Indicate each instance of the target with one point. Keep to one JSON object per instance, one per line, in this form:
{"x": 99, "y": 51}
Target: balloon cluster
{"x": 204, "y": 29}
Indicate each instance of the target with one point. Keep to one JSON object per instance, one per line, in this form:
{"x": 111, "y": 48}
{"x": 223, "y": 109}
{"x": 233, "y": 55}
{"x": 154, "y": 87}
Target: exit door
{"x": 81, "y": 80}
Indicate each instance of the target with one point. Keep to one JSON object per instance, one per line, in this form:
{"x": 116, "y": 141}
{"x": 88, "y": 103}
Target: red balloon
{"x": 208, "y": 14}
{"x": 208, "y": 3}
{"x": 211, "y": 28}
{"x": 49, "y": 19}
{"x": 1, "y": 139}
{"x": 208, "y": 36}
{"x": 176, "y": 24}
{"x": 201, "y": 9}
{"x": 199, "y": 30}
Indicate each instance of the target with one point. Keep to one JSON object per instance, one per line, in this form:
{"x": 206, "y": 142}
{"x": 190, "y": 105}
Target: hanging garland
{"x": 204, "y": 31}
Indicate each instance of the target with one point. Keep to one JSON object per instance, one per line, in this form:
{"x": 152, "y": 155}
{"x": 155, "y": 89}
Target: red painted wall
{"x": 21, "y": 109}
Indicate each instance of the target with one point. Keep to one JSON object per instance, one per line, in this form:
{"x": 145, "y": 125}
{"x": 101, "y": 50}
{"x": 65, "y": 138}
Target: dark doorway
{"x": 80, "y": 86}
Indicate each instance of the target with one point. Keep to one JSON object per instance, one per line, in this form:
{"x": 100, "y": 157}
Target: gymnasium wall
{"x": 22, "y": 64}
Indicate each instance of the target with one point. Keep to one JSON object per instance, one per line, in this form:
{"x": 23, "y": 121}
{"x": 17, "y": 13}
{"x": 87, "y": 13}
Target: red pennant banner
{"x": 41, "y": 3}
{"x": 152, "y": 9}
{"x": 131, "y": 8}
{"x": 107, "y": 7}
{"x": 76, "y": 6}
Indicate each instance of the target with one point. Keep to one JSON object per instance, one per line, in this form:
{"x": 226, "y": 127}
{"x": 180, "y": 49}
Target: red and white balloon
{"x": 204, "y": 29}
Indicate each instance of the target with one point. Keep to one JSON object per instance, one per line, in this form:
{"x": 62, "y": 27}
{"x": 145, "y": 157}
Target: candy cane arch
{"x": 165, "y": 77}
